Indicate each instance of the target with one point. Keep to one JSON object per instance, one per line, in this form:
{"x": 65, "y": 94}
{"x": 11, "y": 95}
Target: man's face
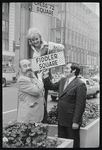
{"x": 26, "y": 68}
{"x": 36, "y": 40}
{"x": 67, "y": 70}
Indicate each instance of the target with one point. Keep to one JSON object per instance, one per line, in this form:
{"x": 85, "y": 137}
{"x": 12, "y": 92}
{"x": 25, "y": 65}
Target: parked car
{"x": 8, "y": 75}
{"x": 96, "y": 78}
{"x": 56, "y": 78}
{"x": 92, "y": 89}
{"x": 54, "y": 95}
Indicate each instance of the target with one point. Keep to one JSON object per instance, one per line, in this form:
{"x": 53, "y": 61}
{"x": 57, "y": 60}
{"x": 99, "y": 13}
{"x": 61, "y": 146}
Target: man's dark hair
{"x": 75, "y": 66}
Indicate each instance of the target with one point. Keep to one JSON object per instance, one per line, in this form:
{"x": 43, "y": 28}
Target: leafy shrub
{"x": 20, "y": 135}
{"x": 91, "y": 112}
{"x": 52, "y": 116}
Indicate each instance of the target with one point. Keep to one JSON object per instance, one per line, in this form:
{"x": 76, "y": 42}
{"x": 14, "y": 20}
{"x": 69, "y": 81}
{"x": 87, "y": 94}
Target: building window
{"x": 63, "y": 6}
{"x": 79, "y": 57}
{"x": 76, "y": 39}
{"x": 72, "y": 22}
{"x": 70, "y": 37}
{"x": 5, "y": 26}
{"x": 58, "y": 36}
{"x": 81, "y": 40}
{"x": 60, "y": 7}
{"x": 72, "y": 55}
{"x": 58, "y": 23}
{"x": 69, "y": 21}
{"x": 84, "y": 61}
{"x": 52, "y": 35}
{"x": 89, "y": 44}
{"x": 75, "y": 56}
{"x": 5, "y": 44}
{"x": 5, "y": 8}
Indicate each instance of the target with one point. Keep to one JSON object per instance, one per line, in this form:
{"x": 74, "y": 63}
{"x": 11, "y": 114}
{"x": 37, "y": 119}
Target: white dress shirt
{"x": 68, "y": 81}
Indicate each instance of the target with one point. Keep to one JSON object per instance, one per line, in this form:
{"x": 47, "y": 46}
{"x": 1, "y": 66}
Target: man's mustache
{"x": 29, "y": 70}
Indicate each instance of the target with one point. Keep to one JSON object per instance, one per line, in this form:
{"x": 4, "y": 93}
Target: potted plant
{"x": 89, "y": 131}
{"x": 23, "y": 135}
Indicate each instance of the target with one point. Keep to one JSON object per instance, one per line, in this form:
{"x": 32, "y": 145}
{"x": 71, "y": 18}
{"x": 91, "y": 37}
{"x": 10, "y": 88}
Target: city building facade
{"x": 8, "y": 29}
{"x": 76, "y": 26}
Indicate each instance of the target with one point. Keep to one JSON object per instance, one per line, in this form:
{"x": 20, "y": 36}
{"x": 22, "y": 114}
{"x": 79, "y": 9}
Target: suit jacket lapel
{"x": 63, "y": 83}
{"x": 62, "y": 86}
{"x": 69, "y": 86}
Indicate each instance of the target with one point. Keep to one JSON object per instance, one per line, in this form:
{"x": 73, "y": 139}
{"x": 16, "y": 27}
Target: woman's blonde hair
{"x": 31, "y": 33}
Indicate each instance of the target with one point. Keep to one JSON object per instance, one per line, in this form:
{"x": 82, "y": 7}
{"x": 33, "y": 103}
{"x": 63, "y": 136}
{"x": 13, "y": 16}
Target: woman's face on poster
{"x": 36, "y": 40}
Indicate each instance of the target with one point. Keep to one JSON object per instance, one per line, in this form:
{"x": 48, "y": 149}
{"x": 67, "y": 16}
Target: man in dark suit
{"x": 71, "y": 102}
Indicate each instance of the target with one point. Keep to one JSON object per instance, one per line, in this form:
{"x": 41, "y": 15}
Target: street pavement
{"x": 9, "y": 103}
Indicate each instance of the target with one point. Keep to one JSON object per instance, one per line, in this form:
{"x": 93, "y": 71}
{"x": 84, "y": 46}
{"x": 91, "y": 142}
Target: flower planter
{"x": 66, "y": 143}
{"x": 89, "y": 135}
{"x": 19, "y": 135}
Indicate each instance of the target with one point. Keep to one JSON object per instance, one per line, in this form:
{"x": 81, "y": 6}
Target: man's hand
{"x": 75, "y": 126}
{"x": 45, "y": 73}
{"x": 40, "y": 75}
